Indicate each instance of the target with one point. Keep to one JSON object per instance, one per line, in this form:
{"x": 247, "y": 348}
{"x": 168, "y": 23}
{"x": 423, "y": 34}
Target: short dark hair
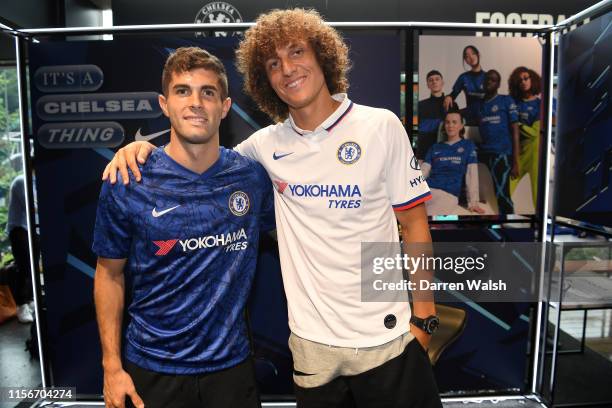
{"x": 185, "y": 59}
{"x": 433, "y": 72}
{"x": 494, "y": 71}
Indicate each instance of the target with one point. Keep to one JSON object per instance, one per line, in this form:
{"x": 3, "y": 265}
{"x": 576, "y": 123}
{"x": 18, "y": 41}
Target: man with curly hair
{"x": 344, "y": 174}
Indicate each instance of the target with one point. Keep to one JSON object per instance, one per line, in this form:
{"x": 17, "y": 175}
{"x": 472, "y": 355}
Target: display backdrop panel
{"x": 583, "y": 154}
{"x": 487, "y": 125}
{"x": 89, "y": 98}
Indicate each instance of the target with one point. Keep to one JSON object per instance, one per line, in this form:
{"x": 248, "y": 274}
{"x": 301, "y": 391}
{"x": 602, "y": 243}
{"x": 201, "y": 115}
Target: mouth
{"x": 196, "y": 120}
{"x": 295, "y": 83}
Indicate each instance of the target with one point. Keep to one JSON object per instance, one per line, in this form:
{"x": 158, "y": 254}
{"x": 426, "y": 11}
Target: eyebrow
{"x": 182, "y": 86}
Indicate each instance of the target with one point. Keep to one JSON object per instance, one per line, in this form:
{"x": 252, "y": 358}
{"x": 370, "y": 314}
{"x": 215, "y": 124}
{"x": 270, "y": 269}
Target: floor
{"x": 16, "y": 368}
{"x": 598, "y": 331}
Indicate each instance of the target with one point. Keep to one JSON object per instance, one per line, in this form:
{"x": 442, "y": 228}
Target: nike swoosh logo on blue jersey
{"x": 280, "y": 156}
{"x": 146, "y": 138}
{"x": 156, "y": 214}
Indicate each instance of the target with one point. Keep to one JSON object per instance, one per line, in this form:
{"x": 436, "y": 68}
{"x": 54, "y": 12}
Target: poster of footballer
{"x": 479, "y": 130}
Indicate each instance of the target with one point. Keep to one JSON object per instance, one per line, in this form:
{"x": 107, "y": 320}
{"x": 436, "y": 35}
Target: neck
{"x": 491, "y": 95}
{"x": 437, "y": 94}
{"x": 195, "y": 157}
{"x": 476, "y": 68}
{"x": 528, "y": 97}
{"x": 453, "y": 139}
{"x": 315, "y": 113}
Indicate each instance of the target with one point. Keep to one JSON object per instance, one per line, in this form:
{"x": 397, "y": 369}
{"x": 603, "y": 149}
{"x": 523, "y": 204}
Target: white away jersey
{"x": 335, "y": 188}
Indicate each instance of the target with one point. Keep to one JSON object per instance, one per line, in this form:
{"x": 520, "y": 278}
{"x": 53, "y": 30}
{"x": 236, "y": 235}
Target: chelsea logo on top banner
{"x": 239, "y": 203}
{"x": 349, "y": 152}
{"x": 218, "y": 12}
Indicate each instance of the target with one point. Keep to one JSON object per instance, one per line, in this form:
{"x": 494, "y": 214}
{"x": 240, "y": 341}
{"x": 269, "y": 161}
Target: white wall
{"x": 444, "y": 53}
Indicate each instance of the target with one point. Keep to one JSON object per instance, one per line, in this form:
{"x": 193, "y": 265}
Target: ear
{"x": 163, "y": 104}
{"x": 227, "y": 104}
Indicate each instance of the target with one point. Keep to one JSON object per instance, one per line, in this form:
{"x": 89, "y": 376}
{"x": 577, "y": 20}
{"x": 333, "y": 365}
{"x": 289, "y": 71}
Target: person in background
{"x": 472, "y": 84}
{"x": 17, "y": 229}
{"x": 525, "y": 86}
{"x": 448, "y": 165}
{"x": 431, "y": 113}
{"x": 499, "y": 132}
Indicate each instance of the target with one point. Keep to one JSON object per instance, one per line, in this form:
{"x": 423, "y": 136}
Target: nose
{"x": 196, "y": 100}
{"x": 287, "y": 66}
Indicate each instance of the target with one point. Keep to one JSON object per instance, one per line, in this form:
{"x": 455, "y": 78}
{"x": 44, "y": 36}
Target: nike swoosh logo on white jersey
{"x": 140, "y": 137}
{"x": 156, "y": 214}
{"x": 280, "y": 155}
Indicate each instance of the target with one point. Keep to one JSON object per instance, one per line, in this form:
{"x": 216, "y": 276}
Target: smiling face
{"x": 453, "y": 125}
{"x": 195, "y": 105}
{"x": 296, "y": 76}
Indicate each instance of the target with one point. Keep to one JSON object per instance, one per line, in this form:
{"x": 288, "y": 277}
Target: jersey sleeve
{"x": 457, "y": 87}
{"x": 472, "y": 156}
{"x": 513, "y": 114}
{"x": 112, "y": 238}
{"x": 406, "y": 186}
{"x": 428, "y": 156}
{"x": 267, "y": 221}
{"x": 248, "y": 147}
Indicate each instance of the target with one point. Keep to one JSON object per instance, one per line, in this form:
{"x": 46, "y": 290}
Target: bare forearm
{"x": 417, "y": 242}
{"x": 109, "y": 293}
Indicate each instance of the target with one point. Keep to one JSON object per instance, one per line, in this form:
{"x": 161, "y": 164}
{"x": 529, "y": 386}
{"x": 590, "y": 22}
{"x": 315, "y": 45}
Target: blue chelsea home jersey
{"x": 191, "y": 246}
{"x": 497, "y": 114}
{"x": 449, "y": 165}
{"x": 472, "y": 83}
{"x": 529, "y": 111}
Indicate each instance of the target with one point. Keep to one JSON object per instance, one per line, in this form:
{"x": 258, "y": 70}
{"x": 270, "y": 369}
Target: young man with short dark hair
{"x": 186, "y": 239}
{"x": 431, "y": 114}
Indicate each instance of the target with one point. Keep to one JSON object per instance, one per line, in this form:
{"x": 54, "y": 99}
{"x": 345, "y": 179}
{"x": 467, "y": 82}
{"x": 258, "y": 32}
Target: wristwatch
{"x": 428, "y": 325}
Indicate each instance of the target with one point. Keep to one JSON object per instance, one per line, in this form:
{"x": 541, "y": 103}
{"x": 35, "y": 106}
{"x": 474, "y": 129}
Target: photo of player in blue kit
{"x": 450, "y": 165}
{"x": 499, "y": 133}
{"x": 472, "y": 84}
{"x": 525, "y": 86}
{"x": 184, "y": 240}
{"x": 431, "y": 113}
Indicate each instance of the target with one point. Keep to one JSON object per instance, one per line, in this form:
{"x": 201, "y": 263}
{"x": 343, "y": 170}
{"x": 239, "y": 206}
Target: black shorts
{"x": 406, "y": 381}
{"x": 233, "y": 387}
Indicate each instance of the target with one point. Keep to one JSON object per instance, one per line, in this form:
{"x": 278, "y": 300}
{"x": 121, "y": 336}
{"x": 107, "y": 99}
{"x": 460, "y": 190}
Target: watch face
{"x": 432, "y": 325}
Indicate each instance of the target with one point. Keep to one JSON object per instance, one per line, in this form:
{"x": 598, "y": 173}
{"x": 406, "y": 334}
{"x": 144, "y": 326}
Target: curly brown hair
{"x": 185, "y": 59}
{"x": 514, "y": 82}
{"x": 277, "y": 29}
